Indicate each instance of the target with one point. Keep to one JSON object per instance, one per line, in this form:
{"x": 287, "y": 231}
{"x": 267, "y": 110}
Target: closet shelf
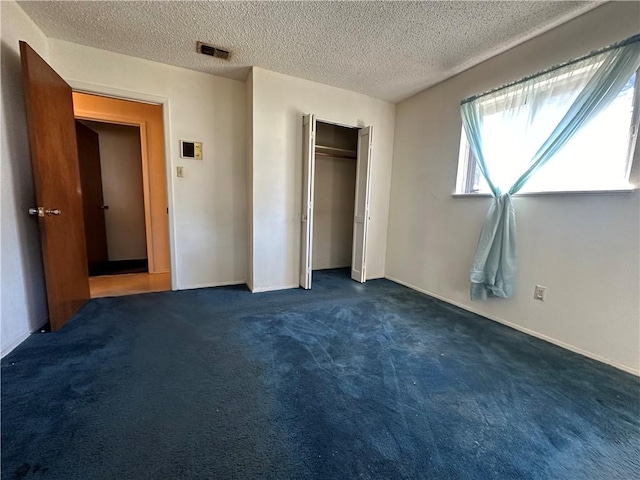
{"x": 335, "y": 152}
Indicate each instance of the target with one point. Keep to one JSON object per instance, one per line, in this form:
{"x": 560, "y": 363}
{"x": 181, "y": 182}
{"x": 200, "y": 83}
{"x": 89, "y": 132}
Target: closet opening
{"x": 335, "y": 203}
{"x": 334, "y": 196}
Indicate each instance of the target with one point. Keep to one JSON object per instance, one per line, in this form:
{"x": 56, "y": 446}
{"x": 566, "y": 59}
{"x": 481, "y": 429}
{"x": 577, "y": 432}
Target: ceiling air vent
{"x": 212, "y": 51}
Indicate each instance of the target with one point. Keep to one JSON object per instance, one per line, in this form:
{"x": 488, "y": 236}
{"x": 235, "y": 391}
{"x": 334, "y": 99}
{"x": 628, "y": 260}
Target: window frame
{"x": 468, "y": 166}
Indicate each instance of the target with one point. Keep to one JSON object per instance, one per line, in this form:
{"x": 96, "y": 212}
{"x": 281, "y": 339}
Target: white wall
{"x": 279, "y": 101}
{"x": 334, "y": 198}
{"x": 584, "y": 248}
{"x": 249, "y": 140}
{"x": 23, "y": 306}
{"x": 209, "y": 220}
{"x": 121, "y": 169}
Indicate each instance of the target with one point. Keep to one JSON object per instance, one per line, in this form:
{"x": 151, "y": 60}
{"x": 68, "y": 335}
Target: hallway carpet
{"x": 345, "y": 381}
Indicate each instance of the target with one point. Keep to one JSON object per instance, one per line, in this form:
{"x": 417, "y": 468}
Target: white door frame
{"x": 361, "y": 205}
{"x": 361, "y": 219}
{"x": 308, "y": 186}
{"x": 96, "y": 89}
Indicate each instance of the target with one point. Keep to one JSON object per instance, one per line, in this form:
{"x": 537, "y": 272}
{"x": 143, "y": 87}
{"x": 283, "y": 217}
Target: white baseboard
{"x": 274, "y": 288}
{"x": 9, "y": 348}
{"x": 533, "y": 333}
{"x": 214, "y": 284}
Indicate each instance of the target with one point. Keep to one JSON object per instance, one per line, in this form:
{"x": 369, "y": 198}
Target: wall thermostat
{"x": 191, "y": 150}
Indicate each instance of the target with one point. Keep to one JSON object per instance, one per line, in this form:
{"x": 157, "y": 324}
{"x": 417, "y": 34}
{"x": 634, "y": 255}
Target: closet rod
{"x": 335, "y": 152}
{"x": 336, "y": 155}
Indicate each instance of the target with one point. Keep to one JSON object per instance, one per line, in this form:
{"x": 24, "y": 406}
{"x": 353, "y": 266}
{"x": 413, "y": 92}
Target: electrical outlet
{"x": 539, "y": 293}
{"x": 180, "y": 172}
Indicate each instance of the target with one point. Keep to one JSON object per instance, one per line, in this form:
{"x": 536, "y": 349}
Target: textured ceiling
{"x": 386, "y": 49}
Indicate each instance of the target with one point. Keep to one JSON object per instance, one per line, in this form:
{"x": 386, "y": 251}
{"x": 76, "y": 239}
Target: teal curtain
{"x": 600, "y": 78}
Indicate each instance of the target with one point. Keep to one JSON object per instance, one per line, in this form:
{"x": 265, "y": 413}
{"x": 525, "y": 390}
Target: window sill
{"x": 617, "y": 191}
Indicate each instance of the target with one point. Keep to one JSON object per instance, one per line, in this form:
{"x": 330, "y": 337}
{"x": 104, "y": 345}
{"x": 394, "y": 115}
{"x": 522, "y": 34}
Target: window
{"x": 598, "y": 157}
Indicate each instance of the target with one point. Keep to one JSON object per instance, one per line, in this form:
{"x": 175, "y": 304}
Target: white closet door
{"x": 361, "y": 210}
{"x": 308, "y": 170}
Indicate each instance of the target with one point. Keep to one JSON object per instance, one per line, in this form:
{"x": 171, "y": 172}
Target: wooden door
{"x": 308, "y": 170}
{"x": 361, "y": 208}
{"x": 93, "y": 206}
{"x": 54, "y": 159}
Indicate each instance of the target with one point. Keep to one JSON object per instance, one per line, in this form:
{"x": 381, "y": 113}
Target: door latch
{"x": 39, "y": 211}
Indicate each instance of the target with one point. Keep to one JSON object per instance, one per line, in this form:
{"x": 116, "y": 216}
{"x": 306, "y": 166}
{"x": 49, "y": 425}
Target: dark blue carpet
{"x": 346, "y": 381}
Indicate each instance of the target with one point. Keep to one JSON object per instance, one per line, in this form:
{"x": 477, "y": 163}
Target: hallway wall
{"x": 121, "y": 167}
